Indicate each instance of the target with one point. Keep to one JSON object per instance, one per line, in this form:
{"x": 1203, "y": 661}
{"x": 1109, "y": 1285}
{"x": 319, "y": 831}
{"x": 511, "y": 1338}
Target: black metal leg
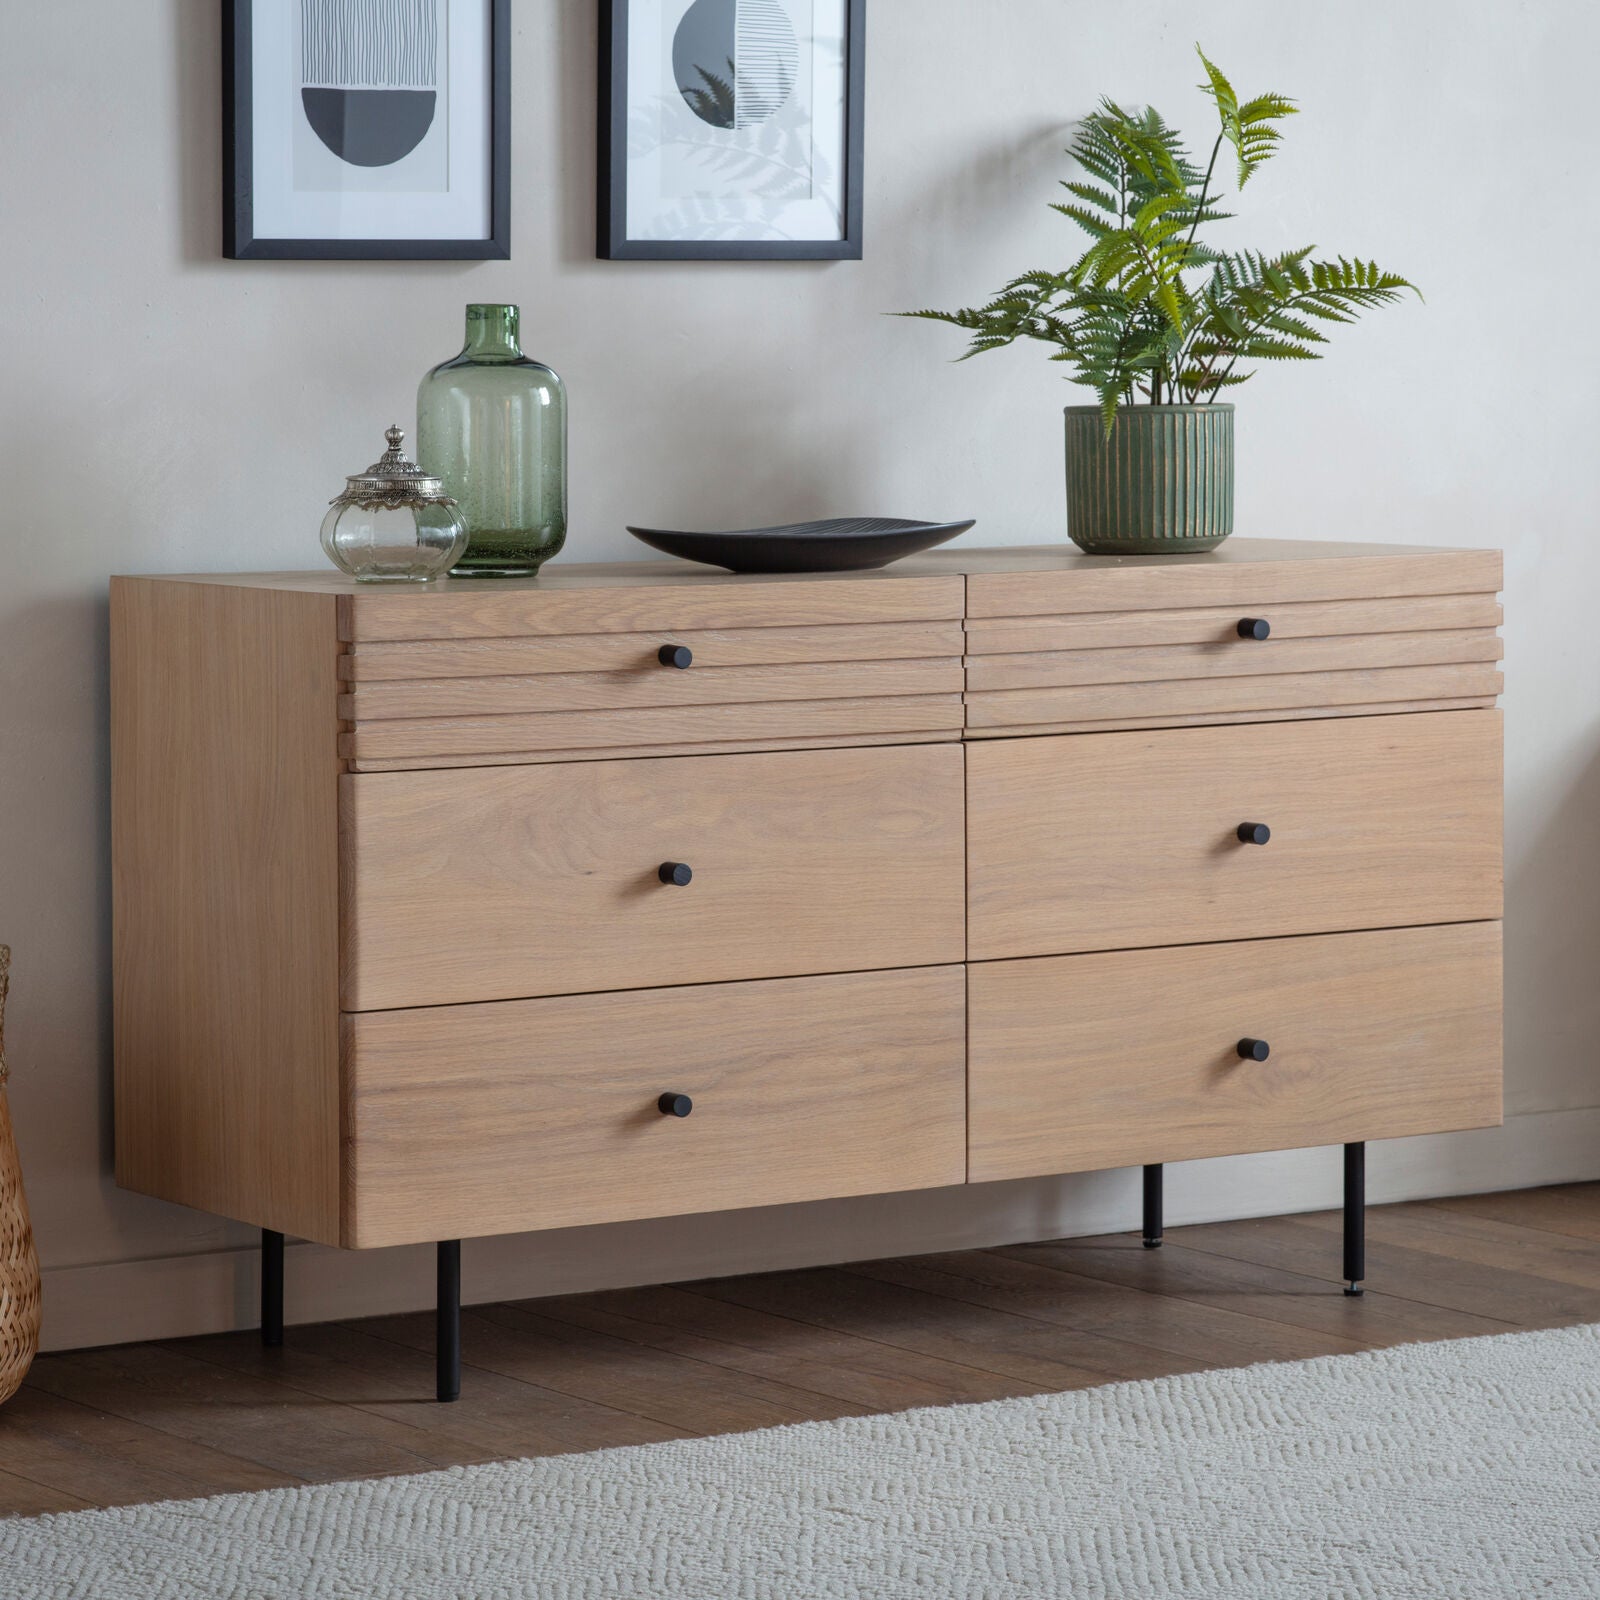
{"x": 1152, "y": 1207}
{"x": 271, "y": 1288}
{"x": 447, "y": 1337}
{"x": 1355, "y": 1217}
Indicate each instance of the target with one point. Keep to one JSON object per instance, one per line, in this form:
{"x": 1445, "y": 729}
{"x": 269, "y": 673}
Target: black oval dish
{"x": 841, "y": 544}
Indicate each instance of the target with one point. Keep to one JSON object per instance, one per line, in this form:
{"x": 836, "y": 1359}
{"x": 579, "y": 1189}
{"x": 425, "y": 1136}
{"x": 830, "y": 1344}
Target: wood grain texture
{"x": 951, "y": 560}
{"x": 1217, "y": 625}
{"x": 1190, "y": 697}
{"x": 1082, "y": 1307}
{"x": 470, "y": 1120}
{"x": 618, "y": 598}
{"x": 885, "y": 1335}
{"x": 609, "y": 652}
{"x": 1249, "y": 574}
{"x": 1215, "y": 719}
{"x": 1129, "y": 839}
{"x": 1235, "y": 658}
{"x": 525, "y": 865}
{"x": 854, "y": 1303}
{"x": 730, "y": 747}
{"x": 520, "y": 1342}
{"x": 1522, "y": 1299}
{"x": 644, "y": 597}
{"x": 864, "y": 1371}
{"x": 225, "y": 889}
{"x": 631, "y": 688}
{"x": 1296, "y": 1293}
{"x": 1085, "y": 1062}
{"x": 486, "y": 885}
{"x": 668, "y": 725}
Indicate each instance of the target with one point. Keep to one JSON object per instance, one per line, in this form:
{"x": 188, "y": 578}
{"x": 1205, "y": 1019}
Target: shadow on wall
{"x": 578, "y": 75}
{"x": 61, "y": 1007}
{"x": 974, "y": 204}
{"x": 199, "y": 131}
{"x": 1553, "y": 947}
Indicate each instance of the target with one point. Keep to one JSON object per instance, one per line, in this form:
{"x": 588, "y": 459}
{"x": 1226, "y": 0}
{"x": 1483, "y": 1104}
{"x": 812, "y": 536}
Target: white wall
{"x": 167, "y": 411}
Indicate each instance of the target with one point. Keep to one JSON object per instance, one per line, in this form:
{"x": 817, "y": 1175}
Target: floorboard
{"x": 217, "y": 1415}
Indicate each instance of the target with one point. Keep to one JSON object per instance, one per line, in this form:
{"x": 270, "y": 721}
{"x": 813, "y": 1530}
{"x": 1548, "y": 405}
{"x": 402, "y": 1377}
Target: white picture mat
{"x": 675, "y": 192}
{"x": 463, "y": 211}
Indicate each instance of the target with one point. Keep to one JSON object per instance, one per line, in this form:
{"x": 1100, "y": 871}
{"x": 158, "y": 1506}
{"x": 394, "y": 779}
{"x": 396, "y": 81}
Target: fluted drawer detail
{"x": 683, "y": 676}
{"x": 1168, "y": 641}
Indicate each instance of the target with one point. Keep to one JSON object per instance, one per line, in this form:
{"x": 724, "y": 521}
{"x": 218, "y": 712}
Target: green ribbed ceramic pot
{"x": 1162, "y": 483}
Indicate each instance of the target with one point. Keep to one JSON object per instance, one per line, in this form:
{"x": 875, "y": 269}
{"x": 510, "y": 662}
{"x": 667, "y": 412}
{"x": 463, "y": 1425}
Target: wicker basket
{"x": 19, "y": 1265}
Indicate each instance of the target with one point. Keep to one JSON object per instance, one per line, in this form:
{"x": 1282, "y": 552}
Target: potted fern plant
{"x": 1160, "y": 325}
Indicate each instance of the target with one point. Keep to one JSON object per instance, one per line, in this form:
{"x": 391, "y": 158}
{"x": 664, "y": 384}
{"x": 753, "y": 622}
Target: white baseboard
{"x": 174, "y": 1296}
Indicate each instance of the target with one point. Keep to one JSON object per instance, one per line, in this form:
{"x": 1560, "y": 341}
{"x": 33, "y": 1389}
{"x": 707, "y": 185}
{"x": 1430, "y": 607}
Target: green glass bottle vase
{"x": 493, "y": 425}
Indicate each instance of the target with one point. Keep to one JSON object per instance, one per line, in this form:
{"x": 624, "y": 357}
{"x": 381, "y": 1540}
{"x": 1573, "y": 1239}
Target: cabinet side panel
{"x": 225, "y": 900}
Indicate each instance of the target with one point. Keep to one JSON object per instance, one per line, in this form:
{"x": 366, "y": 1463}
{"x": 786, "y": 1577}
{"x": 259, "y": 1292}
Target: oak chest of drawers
{"x": 644, "y": 890}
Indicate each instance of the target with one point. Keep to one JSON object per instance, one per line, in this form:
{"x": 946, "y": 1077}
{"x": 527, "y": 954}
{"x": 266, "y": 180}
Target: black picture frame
{"x": 613, "y": 243}
{"x": 239, "y": 242}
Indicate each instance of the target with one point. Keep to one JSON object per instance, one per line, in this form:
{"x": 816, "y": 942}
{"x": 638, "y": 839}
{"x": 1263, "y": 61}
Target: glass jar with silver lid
{"x": 394, "y": 523}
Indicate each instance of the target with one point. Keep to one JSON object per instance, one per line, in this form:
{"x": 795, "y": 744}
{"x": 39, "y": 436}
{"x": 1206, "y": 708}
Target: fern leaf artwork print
{"x": 736, "y": 61}
{"x": 734, "y": 128}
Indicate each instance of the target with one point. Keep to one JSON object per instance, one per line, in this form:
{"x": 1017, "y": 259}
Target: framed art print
{"x": 367, "y": 129}
{"x": 731, "y": 130}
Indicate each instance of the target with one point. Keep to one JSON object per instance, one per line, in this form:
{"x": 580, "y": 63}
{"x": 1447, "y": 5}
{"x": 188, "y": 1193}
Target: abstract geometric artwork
{"x": 736, "y": 61}
{"x": 370, "y": 76}
{"x": 367, "y": 128}
{"x": 731, "y": 129}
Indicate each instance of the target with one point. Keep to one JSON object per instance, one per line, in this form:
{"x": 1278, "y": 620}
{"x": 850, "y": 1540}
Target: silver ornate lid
{"x": 394, "y": 482}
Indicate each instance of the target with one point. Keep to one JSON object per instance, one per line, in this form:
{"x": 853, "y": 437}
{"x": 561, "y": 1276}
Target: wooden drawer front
{"x": 644, "y": 688}
{"x": 509, "y": 882}
{"x": 638, "y": 653}
{"x": 1086, "y": 1062}
{"x": 574, "y": 675}
{"x": 657, "y": 730}
{"x": 1196, "y": 702}
{"x": 669, "y": 596}
{"x": 543, "y": 1114}
{"x": 1240, "y": 577}
{"x": 1216, "y": 627}
{"x": 1166, "y": 665}
{"x": 1347, "y": 638}
{"x": 642, "y": 706}
{"x": 1109, "y": 841}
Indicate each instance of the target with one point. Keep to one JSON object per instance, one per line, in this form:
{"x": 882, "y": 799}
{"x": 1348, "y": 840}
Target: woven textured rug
{"x": 1461, "y": 1470}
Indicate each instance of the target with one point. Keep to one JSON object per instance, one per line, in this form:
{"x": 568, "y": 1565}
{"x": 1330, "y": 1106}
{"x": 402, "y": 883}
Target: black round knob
{"x": 676, "y": 873}
{"x": 675, "y": 1105}
{"x": 676, "y": 655}
{"x": 1254, "y": 833}
{"x": 1254, "y": 1050}
{"x": 1255, "y": 628}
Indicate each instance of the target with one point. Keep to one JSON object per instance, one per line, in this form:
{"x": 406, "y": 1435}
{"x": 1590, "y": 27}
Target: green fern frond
{"x": 1261, "y": 349}
{"x": 1218, "y": 87}
{"x": 1094, "y": 195}
{"x": 959, "y": 319}
{"x": 1197, "y": 380}
{"x": 1247, "y": 127}
{"x": 1266, "y": 108}
{"x": 982, "y": 346}
{"x": 1041, "y": 282}
{"x": 1086, "y": 219}
{"x": 1149, "y": 309}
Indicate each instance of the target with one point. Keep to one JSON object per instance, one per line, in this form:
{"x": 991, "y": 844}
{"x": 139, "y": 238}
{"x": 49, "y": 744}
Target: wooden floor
{"x": 350, "y": 1400}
